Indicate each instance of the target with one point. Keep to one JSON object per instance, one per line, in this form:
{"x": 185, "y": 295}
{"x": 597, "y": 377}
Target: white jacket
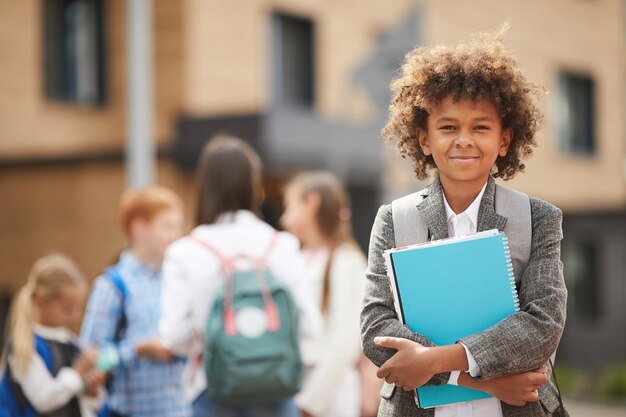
{"x": 192, "y": 275}
{"x": 332, "y": 387}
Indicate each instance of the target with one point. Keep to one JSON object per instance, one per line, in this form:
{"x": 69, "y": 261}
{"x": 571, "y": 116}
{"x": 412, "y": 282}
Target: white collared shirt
{"x": 460, "y": 225}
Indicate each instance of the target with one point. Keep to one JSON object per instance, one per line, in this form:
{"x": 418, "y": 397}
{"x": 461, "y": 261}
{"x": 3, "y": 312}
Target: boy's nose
{"x": 464, "y": 139}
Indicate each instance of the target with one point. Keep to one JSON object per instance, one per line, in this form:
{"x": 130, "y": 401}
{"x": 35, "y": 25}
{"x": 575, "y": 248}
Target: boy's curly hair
{"x": 478, "y": 70}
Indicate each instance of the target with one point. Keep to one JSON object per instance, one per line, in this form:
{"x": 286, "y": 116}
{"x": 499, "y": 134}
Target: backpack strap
{"x": 43, "y": 349}
{"x": 113, "y": 274}
{"x": 271, "y": 311}
{"x": 515, "y": 206}
{"x": 408, "y": 225}
{"x": 228, "y": 263}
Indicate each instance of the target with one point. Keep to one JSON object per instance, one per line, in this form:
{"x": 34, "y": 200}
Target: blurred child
{"x": 317, "y": 211}
{"x": 46, "y": 371}
{"x": 123, "y": 311}
{"x": 468, "y": 114}
{"x": 228, "y": 231}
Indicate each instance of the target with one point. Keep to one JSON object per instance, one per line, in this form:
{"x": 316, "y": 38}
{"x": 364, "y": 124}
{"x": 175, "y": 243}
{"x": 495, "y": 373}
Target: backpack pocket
{"x": 258, "y": 376}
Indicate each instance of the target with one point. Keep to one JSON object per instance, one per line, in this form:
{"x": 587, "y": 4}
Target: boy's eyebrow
{"x": 478, "y": 119}
{"x": 446, "y": 119}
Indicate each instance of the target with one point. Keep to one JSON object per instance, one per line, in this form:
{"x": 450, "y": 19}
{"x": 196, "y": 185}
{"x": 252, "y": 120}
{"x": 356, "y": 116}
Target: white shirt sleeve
{"x": 454, "y": 378}
{"x": 176, "y": 326}
{"x": 45, "y": 392}
{"x": 473, "y": 370}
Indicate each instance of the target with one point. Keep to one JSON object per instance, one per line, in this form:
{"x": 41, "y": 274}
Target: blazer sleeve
{"x": 526, "y": 339}
{"x": 378, "y": 316}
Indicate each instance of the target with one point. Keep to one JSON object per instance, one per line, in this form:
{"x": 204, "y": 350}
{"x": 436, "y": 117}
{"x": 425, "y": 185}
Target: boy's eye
{"x": 447, "y": 127}
{"x": 482, "y": 127}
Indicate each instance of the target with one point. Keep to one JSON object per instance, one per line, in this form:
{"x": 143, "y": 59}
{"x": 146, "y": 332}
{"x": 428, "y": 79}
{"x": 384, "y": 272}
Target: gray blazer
{"x": 522, "y": 342}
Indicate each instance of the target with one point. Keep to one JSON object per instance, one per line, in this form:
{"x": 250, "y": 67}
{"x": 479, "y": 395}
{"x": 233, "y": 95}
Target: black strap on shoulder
{"x": 561, "y": 411}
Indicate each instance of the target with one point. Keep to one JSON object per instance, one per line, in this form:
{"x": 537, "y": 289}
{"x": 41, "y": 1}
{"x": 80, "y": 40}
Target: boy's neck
{"x": 460, "y": 195}
{"x": 145, "y": 257}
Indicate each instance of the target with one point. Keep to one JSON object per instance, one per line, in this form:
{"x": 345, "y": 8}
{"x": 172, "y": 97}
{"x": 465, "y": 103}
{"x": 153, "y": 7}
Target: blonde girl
{"x": 317, "y": 211}
{"x": 42, "y": 359}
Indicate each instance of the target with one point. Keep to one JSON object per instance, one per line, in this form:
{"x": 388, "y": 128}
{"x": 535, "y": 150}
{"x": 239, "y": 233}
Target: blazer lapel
{"x": 487, "y": 216}
{"x": 433, "y": 212}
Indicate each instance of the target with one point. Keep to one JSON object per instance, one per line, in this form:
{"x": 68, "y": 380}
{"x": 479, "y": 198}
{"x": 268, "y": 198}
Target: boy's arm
{"x": 378, "y": 316}
{"x": 517, "y": 389}
{"x": 103, "y": 313}
{"x": 525, "y": 340}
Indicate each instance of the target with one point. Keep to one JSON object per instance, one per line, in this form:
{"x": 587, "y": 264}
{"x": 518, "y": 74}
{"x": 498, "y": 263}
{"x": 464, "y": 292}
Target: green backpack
{"x": 252, "y": 353}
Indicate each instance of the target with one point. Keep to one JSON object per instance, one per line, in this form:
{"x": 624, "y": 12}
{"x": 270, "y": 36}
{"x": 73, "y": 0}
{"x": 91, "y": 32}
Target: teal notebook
{"x": 448, "y": 289}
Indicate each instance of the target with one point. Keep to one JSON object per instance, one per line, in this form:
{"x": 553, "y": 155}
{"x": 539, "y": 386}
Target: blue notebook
{"x": 451, "y": 288}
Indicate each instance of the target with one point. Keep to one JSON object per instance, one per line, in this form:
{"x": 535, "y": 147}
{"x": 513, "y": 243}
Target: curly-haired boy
{"x": 467, "y": 113}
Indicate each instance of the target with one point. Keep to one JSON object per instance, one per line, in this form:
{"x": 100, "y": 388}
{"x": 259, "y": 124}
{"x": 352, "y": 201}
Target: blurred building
{"x": 306, "y": 83}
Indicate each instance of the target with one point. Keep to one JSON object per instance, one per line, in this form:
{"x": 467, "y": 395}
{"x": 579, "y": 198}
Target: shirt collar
{"x": 236, "y": 217}
{"x": 471, "y": 211}
{"x": 130, "y": 261}
{"x": 57, "y": 334}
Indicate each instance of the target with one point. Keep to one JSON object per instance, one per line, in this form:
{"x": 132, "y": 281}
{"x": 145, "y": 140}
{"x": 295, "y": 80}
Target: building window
{"x": 580, "y": 263}
{"x": 294, "y": 60}
{"x": 577, "y": 113}
{"x": 74, "y": 51}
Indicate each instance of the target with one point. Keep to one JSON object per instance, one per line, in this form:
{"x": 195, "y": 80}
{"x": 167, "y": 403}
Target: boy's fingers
{"x": 539, "y": 378}
{"x": 388, "y": 342}
{"x": 383, "y": 372}
{"x": 532, "y": 396}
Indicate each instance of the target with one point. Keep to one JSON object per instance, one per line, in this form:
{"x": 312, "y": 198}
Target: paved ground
{"x": 583, "y": 409}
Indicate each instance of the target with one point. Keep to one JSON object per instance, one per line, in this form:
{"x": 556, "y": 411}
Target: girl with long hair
{"x": 317, "y": 211}
{"x": 46, "y": 369}
{"x": 229, "y": 201}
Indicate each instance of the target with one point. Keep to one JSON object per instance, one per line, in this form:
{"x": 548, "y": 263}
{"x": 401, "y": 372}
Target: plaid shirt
{"x": 139, "y": 387}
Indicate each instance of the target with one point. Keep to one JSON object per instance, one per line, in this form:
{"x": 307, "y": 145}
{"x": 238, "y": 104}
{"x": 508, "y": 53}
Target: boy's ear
{"x": 422, "y": 138}
{"x": 505, "y": 142}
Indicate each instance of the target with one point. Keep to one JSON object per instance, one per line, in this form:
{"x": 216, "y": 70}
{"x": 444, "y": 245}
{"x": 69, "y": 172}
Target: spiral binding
{"x": 509, "y": 265}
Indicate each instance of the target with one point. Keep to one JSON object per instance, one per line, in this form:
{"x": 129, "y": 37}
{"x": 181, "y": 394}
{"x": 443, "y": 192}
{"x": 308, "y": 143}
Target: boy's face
{"x": 464, "y": 138}
{"x": 155, "y": 236}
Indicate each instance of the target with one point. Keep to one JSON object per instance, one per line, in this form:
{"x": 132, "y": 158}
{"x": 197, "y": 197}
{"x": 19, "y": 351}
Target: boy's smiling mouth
{"x": 463, "y": 159}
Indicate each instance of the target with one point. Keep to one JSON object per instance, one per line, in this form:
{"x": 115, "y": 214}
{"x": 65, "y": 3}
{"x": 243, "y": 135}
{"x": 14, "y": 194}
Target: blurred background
{"x": 99, "y": 95}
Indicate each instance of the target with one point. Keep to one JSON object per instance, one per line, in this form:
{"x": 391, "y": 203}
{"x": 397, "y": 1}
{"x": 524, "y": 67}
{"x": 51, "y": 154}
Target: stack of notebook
{"x": 449, "y": 289}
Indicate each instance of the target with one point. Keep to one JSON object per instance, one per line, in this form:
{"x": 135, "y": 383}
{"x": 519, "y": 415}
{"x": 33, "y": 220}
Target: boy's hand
{"x": 86, "y": 361}
{"x": 410, "y": 367}
{"x": 154, "y": 349}
{"x": 93, "y": 380}
{"x": 515, "y": 389}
